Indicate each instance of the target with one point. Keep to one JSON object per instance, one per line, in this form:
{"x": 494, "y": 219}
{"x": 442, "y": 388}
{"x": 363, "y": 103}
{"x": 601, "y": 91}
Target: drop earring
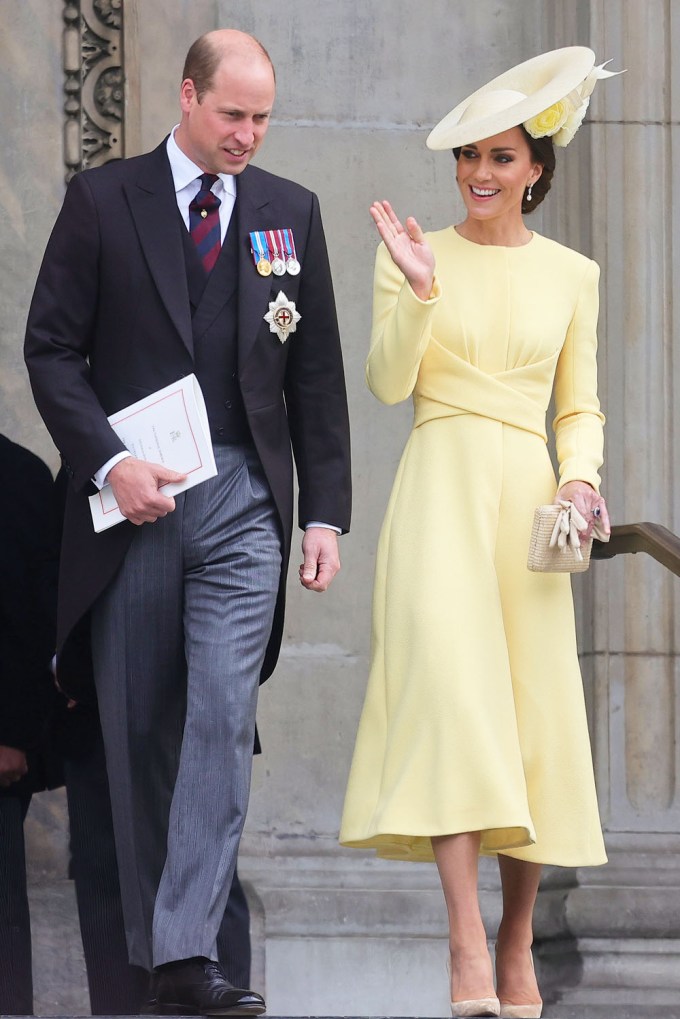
{"x": 529, "y": 189}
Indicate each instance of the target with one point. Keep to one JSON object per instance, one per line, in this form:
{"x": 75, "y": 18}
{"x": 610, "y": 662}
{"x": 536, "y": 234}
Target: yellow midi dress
{"x": 474, "y": 716}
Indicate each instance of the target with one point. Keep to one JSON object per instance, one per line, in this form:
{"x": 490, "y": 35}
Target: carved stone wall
{"x": 94, "y": 130}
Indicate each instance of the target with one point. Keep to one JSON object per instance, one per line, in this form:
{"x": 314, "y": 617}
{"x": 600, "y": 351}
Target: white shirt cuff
{"x": 318, "y": 523}
{"x": 100, "y": 476}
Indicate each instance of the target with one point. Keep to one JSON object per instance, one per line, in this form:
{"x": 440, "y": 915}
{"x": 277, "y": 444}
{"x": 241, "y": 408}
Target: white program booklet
{"x": 169, "y": 427}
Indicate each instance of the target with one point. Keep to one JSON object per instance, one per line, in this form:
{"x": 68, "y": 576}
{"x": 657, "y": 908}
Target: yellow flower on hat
{"x": 571, "y": 124}
{"x": 550, "y": 121}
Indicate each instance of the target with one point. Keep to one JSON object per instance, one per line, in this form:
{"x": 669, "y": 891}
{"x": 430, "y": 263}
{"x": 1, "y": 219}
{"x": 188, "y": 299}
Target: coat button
{"x": 219, "y": 431}
{"x": 227, "y": 404}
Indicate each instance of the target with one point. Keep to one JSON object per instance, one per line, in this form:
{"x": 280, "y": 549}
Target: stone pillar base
{"x": 609, "y": 937}
{"x": 346, "y": 933}
{"x": 598, "y": 977}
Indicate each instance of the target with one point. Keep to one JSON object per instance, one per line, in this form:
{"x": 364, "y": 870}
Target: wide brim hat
{"x": 518, "y": 95}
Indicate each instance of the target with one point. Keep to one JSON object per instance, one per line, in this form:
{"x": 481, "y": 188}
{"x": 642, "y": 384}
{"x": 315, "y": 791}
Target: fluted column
{"x": 614, "y": 936}
{"x": 635, "y": 207}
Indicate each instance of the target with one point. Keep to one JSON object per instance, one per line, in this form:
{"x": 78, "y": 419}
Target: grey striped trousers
{"x": 178, "y": 642}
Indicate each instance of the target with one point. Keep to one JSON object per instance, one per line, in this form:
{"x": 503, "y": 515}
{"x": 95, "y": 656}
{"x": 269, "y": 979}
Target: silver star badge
{"x": 282, "y": 316}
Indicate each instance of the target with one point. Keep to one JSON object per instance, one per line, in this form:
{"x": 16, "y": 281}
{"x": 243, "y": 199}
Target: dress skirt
{"x": 474, "y": 718}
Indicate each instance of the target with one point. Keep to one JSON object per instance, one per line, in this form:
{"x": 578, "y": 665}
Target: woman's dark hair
{"x": 543, "y": 152}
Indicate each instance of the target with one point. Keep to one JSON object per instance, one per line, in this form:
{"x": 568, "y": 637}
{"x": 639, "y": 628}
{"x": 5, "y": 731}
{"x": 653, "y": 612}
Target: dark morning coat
{"x": 110, "y": 322}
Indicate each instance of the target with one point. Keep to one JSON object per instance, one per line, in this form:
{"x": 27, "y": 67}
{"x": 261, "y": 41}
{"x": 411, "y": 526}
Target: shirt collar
{"x": 184, "y": 171}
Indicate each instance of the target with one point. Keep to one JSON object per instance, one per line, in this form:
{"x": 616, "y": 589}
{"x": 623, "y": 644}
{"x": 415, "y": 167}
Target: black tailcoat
{"x": 110, "y": 322}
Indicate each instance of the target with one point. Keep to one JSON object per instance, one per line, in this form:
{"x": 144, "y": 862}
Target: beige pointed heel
{"x": 521, "y": 1011}
{"x": 532, "y": 1011}
{"x": 475, "y": 1007}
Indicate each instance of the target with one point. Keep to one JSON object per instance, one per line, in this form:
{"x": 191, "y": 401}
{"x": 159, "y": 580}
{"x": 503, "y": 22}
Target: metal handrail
{"x": 655, "y": 540}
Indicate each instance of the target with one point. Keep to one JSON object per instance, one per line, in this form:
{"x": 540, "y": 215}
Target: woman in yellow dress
{"x": 473, "y": 736}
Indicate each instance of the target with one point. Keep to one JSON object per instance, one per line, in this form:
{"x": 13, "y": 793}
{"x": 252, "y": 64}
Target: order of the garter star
{"x": 282, "y": 316}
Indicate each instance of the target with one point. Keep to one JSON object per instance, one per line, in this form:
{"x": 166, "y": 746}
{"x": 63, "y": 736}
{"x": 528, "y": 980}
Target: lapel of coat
{"x": 253, "y": 213}
{"x": 153, "y": 205}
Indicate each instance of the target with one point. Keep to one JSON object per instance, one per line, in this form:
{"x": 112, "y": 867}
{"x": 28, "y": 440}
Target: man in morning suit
{"x": 186, "y": 596}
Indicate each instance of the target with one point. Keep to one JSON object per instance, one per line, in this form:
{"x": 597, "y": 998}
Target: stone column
{"x": 612, "y": 939}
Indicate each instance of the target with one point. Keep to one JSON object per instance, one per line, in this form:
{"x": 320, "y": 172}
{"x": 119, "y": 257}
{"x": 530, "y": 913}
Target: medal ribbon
{"x": 258, "y": 246}
{"x": 290, "y": 243}
{"x": 273, "y": 246}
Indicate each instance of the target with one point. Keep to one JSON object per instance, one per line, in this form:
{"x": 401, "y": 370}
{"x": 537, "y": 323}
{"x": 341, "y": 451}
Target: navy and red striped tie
{"x": 204, "y": 221}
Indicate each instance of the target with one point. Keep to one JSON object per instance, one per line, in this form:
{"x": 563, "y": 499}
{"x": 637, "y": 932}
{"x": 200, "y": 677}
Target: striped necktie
{"x": 204, "y": 221}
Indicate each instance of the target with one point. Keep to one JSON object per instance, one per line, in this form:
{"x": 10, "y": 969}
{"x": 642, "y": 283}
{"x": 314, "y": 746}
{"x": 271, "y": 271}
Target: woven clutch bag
{"x": 549, "y": 555}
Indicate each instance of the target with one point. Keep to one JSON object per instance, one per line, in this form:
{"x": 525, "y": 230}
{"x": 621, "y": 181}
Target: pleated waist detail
{"x": 454, "y": 386}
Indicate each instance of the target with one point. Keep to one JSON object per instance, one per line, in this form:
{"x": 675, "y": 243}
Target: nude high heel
{"x": 532, "y": 1011}
{"x": 473, "y": 1007}
{"x": 521, "y": 1011}
{"x": 476, "y": 1007}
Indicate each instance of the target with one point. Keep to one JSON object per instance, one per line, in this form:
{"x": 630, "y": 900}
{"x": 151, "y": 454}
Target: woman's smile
{"x": 483, "y": 192}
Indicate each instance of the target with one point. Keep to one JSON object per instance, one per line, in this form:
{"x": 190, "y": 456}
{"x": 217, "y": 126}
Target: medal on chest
{"x": 282, "y": 316}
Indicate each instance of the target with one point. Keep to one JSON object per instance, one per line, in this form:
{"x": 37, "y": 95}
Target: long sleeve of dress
{"x": 400, "y": 334}
{"x": 578, "y": 421}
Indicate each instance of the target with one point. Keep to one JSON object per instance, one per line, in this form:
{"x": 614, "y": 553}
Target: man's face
{"x": 223, "y": 131}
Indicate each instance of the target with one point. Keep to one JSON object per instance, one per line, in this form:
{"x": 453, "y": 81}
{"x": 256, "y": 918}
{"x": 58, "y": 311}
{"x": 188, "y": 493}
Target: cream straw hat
{"x": 548, "y": 94}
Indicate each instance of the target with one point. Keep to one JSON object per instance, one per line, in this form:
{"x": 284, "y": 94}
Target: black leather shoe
{"x": 199, "y": 987}
{"x": 150, "y": 1006}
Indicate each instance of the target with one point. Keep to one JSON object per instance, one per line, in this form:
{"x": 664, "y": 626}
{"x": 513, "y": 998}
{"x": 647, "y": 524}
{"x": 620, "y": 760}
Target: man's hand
{"x": 322, "y": 558}
{"x": 135, "y": 484}
{"x": 12, "y": 765}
